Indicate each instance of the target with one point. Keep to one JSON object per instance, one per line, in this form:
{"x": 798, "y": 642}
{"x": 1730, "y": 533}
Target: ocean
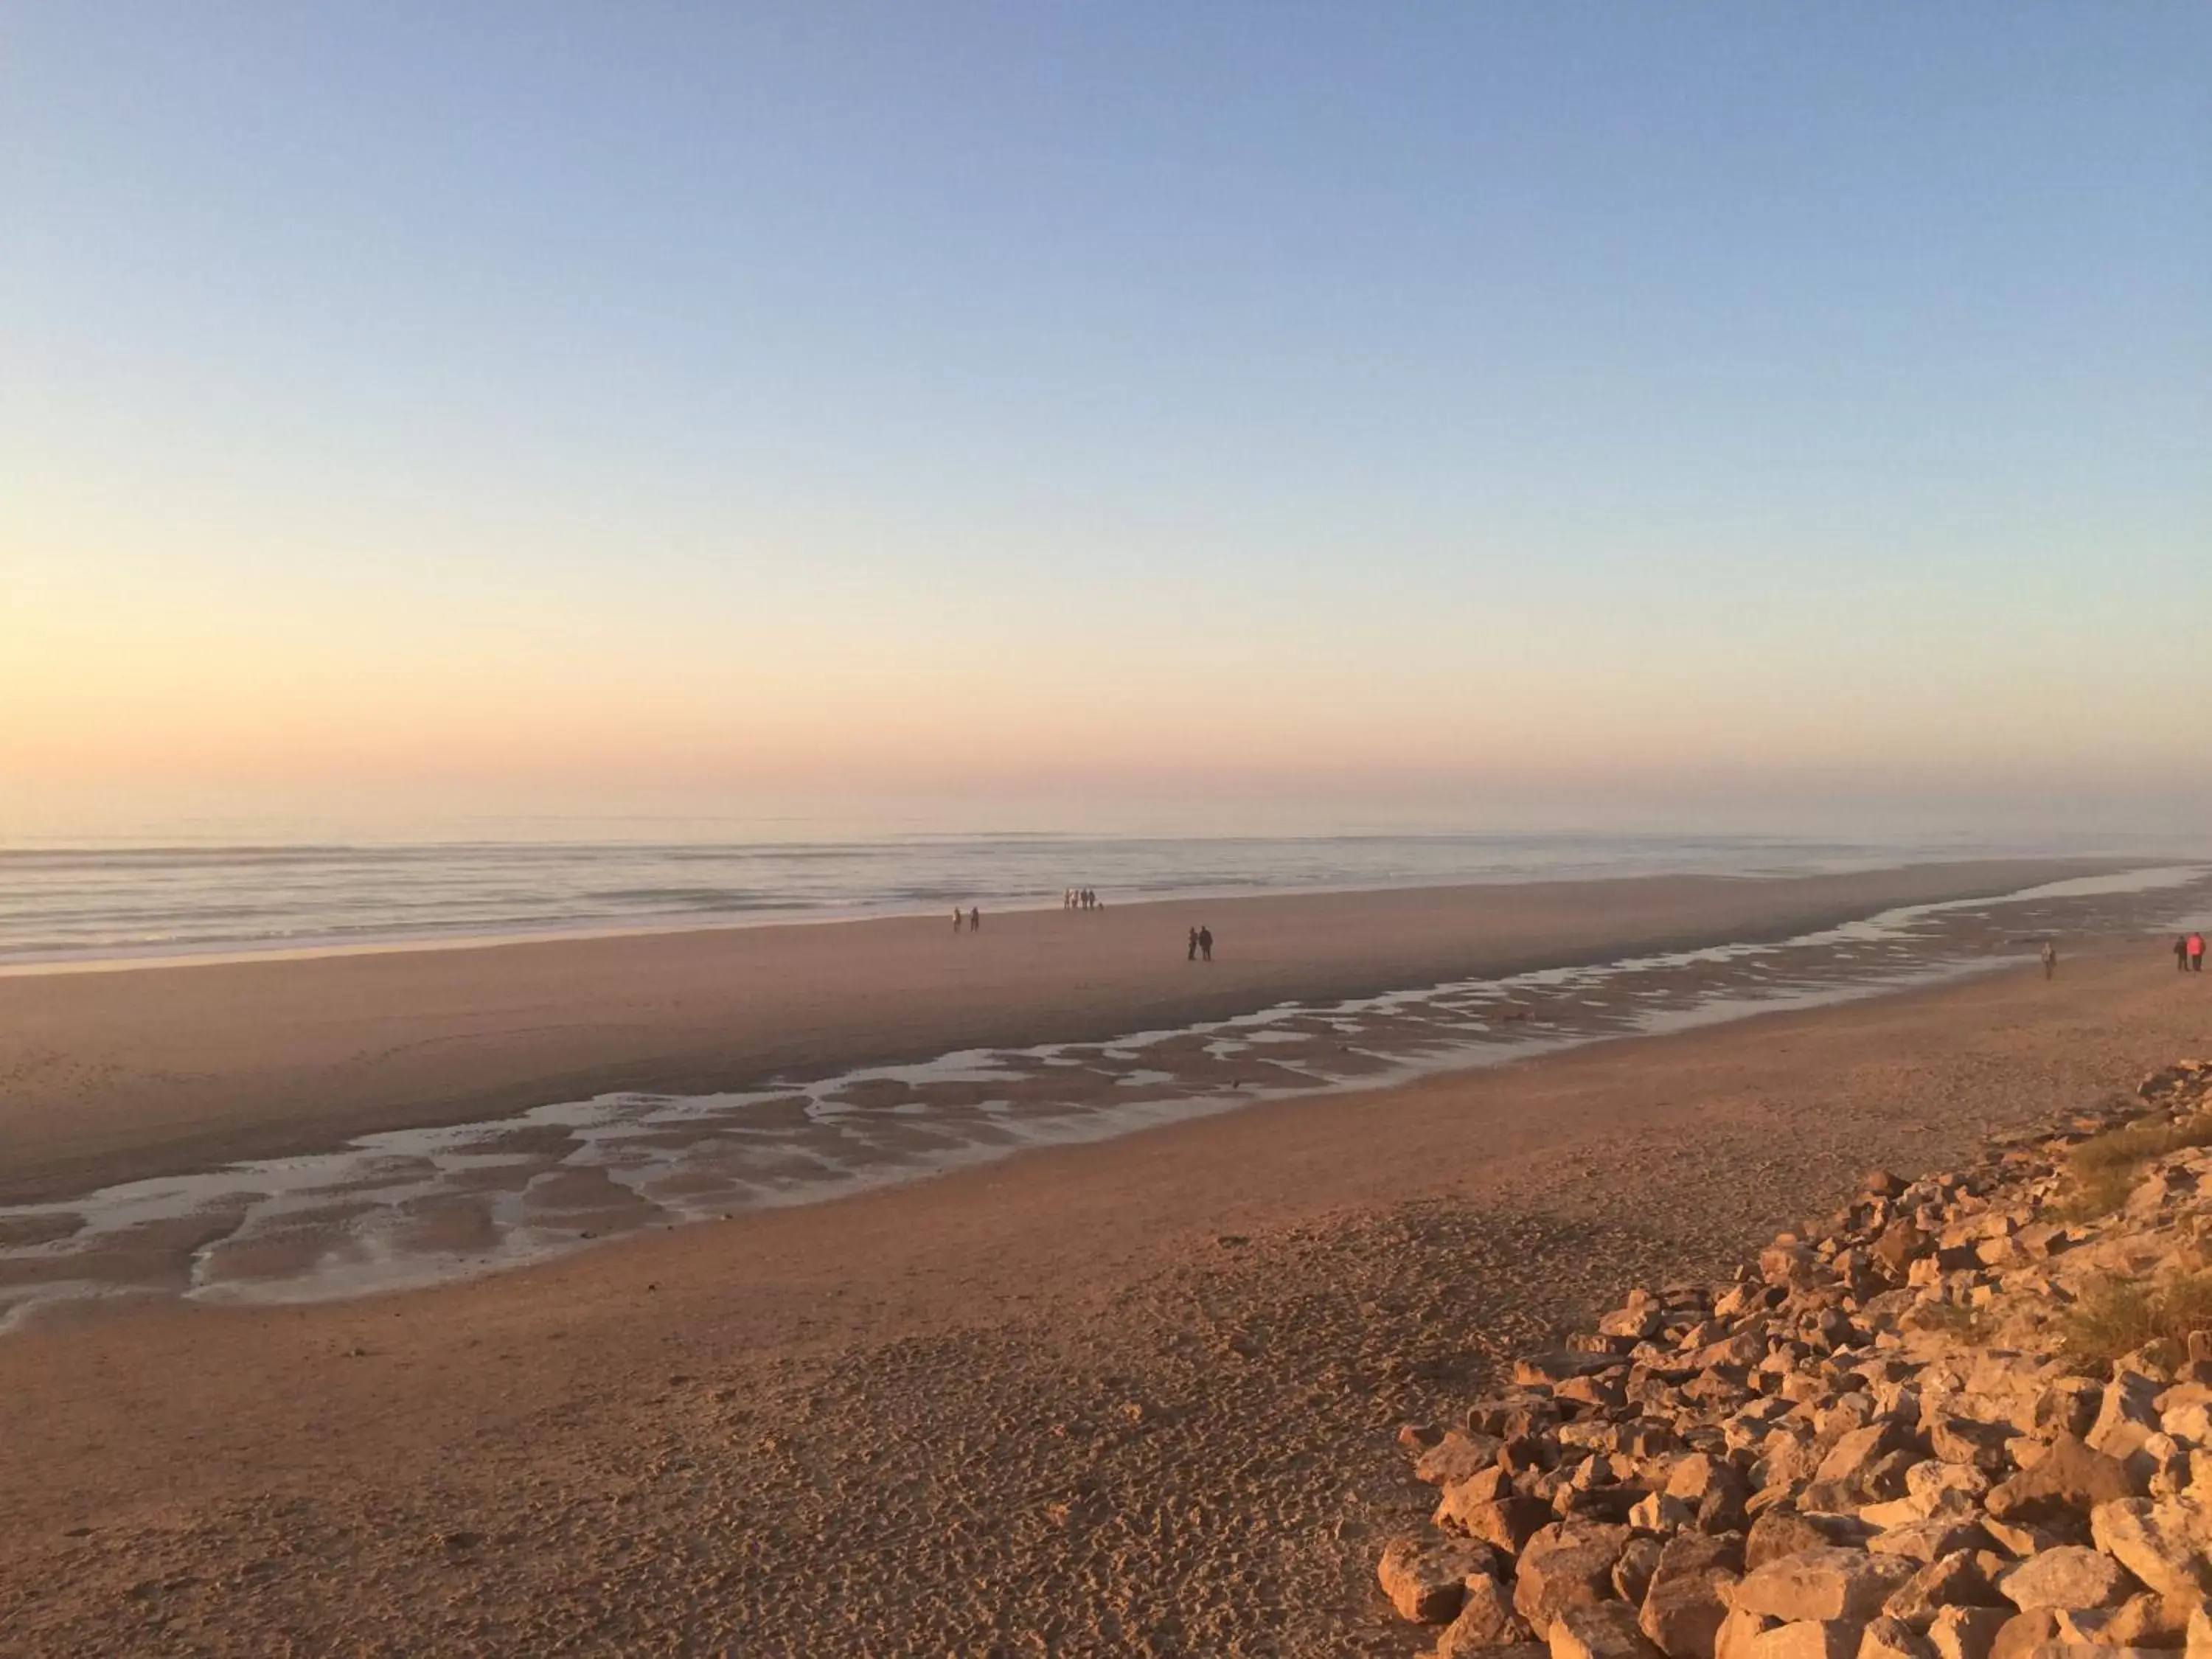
{"x": 63, "y": 901}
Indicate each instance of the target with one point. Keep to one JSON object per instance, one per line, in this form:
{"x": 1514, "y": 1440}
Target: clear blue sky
{"x": 1458, "y": 403}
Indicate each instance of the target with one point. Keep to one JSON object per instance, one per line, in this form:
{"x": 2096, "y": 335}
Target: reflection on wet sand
{"x": 410, "y": 1207}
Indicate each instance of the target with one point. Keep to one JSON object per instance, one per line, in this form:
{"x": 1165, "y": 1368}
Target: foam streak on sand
{"x": 414, "y": 1206}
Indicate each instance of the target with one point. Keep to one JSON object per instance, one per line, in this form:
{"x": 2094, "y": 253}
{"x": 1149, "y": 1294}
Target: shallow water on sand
{"x": 416, "y": 1206}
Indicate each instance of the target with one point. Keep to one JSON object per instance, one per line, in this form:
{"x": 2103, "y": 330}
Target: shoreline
{"x": 403, "y": 1208}
{"x": 112, "y": 1077}
{"x": 1159, "y": 1366}
{"x": 558, "y": 933}
{"x": 336, "y": 896}
{"x": 316, "y": 948}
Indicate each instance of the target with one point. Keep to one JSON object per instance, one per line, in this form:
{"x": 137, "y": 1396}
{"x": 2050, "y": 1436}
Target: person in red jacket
{"x": 2196, "y": 953}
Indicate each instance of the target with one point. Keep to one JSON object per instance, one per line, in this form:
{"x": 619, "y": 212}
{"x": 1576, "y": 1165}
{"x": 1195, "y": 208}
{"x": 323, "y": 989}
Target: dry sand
{"x": 105, "y": 1076}
{"x": 1132, "y": 1398}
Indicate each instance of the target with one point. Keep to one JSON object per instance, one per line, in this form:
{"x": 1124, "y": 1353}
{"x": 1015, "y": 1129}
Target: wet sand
{"x": 403, "y": 1208}
{"x": 1131, "y": 1397}
{"x": 108, "y": 1077}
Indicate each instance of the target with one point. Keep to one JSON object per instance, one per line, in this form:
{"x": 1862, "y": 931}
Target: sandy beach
{"x": 104, "y": 1077}
{"x": 1613, "y": 603}
{"x": 1134, "y": 1397}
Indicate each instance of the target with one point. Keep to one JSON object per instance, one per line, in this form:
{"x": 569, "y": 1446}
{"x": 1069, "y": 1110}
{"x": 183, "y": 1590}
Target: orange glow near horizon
{"x": 459, "y": 702}
{"x": 1444, "y": 412}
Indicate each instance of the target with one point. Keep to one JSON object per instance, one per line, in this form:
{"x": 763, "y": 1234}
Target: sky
{"x": 1265, "y": 414}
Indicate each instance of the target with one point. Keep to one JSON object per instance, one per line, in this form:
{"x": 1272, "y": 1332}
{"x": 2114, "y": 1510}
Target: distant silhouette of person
{"x": 975, "y": 920}
{"x": 2050, "y": 959}
{"x": 2197, "y": 953}
{"x": 955, "y": 917}
{"x": 1206, "y": 944}
{"x": 2180, "y": 954}
{"x": 1191, "y": 955}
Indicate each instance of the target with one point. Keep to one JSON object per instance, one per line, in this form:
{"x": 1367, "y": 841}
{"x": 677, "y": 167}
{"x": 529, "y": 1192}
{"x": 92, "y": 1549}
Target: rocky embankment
{"x": 1968, "y": 1417}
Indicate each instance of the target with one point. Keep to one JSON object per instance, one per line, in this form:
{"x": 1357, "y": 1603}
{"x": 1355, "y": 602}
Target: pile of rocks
{"x": 1882, "y": 1440}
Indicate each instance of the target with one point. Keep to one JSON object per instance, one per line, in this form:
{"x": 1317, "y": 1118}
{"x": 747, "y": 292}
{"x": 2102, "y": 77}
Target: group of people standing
{"x": 1199, "y": 947}
{"x": 2188, "y": 954}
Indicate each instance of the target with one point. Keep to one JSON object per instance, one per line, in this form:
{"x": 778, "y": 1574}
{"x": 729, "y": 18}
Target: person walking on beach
{"x": 2180, "y": 954}
{"x": 2196, "y": 953}
{"x": 975, "y": 920}
{"x": 1191, "y": 955}
{"x": 2050, "y": 959}
{"x": 1206, "y": 944}
{"x": 955, "y": 917}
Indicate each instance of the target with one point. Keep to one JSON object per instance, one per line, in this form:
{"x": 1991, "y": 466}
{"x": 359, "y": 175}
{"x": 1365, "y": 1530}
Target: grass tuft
{"x": 2103, "y": 1166}
{"x": 2119, "y": 1316}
